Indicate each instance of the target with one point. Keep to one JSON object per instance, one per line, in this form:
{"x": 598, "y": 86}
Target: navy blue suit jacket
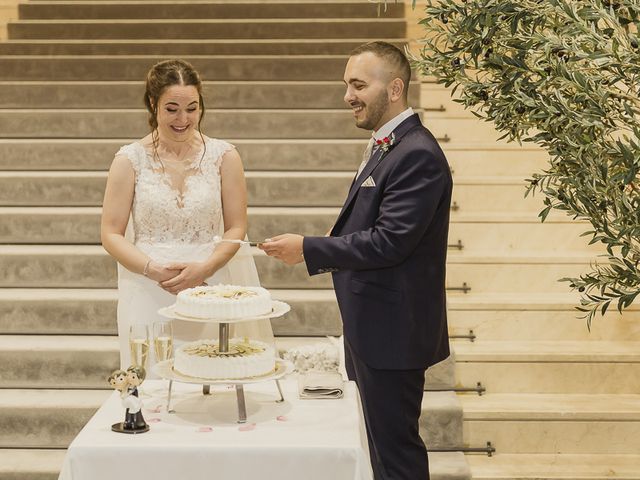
{"x": 387, "y": 252}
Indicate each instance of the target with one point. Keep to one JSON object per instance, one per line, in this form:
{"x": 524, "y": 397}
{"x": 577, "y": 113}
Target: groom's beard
{"x": 374, "y": 112}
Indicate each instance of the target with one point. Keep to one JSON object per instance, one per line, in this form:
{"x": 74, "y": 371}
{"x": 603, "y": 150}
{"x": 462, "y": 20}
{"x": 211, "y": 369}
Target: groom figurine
{"x": 387, "y": 253}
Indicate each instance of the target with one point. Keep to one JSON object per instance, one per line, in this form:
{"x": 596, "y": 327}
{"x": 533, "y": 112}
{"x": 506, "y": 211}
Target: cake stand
{"x": 165, "y": 369}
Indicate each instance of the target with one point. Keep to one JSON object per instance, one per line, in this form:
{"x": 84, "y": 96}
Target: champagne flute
{"x": 163, "y": 340}
{"x": 163, "y": 346}
{"x": 139, "y": 345}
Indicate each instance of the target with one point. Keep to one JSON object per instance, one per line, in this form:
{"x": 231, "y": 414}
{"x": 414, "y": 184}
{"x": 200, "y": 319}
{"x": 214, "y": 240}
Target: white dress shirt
{"x": 381, "y": 133}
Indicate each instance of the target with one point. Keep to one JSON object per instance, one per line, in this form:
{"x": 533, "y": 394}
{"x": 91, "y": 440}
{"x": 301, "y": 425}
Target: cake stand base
{"x": 242, "y": 406}
{"x": 166, "y": 371}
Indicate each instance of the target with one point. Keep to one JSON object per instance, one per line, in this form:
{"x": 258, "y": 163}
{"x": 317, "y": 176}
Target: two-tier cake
{"x": 245, "y": 357}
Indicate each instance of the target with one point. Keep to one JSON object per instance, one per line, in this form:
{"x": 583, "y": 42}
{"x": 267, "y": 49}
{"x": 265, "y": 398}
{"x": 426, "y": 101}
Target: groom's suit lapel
{"x": 400, "y": 131}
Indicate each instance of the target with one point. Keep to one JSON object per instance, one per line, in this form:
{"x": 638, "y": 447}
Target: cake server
{"x": 236, "y": 241}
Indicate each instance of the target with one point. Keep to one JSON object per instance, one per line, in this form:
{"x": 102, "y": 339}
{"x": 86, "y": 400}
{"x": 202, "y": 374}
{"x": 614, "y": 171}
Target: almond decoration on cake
{"x": 230, "y": 293}
{"x": 210, "y": 350}
{"x": 245, "y": 358}
{"x": 223, "y": 302}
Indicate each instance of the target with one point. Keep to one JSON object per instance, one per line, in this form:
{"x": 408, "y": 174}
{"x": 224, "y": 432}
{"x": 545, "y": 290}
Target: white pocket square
{"x": 369, "y": 182}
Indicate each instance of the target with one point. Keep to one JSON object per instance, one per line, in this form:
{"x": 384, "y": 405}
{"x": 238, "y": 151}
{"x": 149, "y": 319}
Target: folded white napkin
{"x": 321, "y": 385}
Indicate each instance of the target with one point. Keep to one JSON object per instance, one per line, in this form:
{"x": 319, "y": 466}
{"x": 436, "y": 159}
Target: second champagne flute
{"x": 163, "y": 340}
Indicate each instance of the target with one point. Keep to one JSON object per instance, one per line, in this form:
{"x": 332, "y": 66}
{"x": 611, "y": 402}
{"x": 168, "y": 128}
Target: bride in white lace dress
{"x": 167, "y": 196}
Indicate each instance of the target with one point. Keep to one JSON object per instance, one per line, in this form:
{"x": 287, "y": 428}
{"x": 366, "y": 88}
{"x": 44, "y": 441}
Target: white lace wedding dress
{"x": 176, "y": 213}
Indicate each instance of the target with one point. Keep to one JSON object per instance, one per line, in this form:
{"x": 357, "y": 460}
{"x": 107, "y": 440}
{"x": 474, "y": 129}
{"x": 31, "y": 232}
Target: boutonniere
{"x": 386, "y": 143}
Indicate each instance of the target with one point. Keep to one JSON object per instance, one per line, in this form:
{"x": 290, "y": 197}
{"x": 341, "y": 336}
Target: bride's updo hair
{"x": 164, "y": 75}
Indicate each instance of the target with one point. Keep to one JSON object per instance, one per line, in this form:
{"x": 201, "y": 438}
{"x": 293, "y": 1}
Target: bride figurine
{"x": 170, "y": 199}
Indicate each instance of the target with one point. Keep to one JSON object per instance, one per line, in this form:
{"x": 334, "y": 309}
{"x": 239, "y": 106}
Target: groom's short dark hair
{"x": 393, "y": 56}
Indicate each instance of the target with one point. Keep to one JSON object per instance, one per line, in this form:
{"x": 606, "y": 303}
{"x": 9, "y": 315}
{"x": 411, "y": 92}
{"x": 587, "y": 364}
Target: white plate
{"x": 278, "y": 309}
{"x": 166, "y": 371}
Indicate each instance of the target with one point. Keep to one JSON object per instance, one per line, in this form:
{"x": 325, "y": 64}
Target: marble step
{"x": 212, "y": 68}
{"x": 45, "y": 464}
{"x": 441, "y": 424}
{"x": 552, "y": 366}
{"x": 290, "y": 189}
{"x": 264, "y": 188}
{"x": 554, "y": 424}
{"x": 208, "y": 28}
{"x": 521, "y": 232}
{"x": 67, "y": 266}
{"x": 238, "y": 95}
{"x": 48, "y": 10}
{"x": 528, "y": 272}
{"x": 448, "y": 466}
{"x": 38, "y": 361}
{"x": 485, "y": 159}
{"x": 466, "y": 160}
{"x": 538, "y": 317}
{"x": 443, "y": 100}
{"x": 53, "y": 188}
{"x": 228, "y": 124}
{"x": 89, "y": 266}
{"x": 44, "y": 419}
{"x": 81, "y": 225}
{"x": 493, "y": 194}
{"x": 532, "y": 466}
{"x": 93, "y": 312}
{"x": 56, "y": 362}
{"x": 262, "y": 154}
{"x": 183, "y": 48}
{"x": 30, "y": 464}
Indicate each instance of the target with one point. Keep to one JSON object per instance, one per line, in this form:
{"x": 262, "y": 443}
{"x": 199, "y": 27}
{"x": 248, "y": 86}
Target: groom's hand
{"x": 287, "y": 247}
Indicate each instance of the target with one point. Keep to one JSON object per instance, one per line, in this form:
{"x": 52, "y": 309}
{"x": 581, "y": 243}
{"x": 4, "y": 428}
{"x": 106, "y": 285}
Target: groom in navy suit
{"x": 387, "y": 253}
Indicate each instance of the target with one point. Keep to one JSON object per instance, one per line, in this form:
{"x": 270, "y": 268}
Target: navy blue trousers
{"x": 391, "y": 401}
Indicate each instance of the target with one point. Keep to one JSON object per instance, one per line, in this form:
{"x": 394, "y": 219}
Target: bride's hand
{"x": 161, "y": 273}
{"x": 191, "y": 275}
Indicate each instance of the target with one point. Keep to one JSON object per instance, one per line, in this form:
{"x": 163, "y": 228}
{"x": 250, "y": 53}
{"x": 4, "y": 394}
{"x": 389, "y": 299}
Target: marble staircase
{"x": 560, "y": 401}
{"x": 70, "y": 95}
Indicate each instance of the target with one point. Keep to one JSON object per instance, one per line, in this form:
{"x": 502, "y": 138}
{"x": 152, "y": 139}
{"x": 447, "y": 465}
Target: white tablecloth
{"x": 294, "y": 440}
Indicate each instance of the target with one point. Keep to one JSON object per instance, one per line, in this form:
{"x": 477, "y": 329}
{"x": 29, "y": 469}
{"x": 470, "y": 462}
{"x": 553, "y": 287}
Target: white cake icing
{"x": 246, "y": 358}
{"x": 223, "y": 302}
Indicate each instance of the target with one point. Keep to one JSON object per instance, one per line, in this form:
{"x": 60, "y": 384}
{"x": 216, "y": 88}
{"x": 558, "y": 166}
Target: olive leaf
{"x": 564, "y": 75}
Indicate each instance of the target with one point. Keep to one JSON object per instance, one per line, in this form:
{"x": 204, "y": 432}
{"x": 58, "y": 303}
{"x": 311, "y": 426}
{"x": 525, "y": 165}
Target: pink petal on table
{"x": 205, "y": 429}
{"x": 153, "y": 420}
{"x": 281, "y": 418}
{"x": 248, "y": 427}
{"x": 155, "y": 410}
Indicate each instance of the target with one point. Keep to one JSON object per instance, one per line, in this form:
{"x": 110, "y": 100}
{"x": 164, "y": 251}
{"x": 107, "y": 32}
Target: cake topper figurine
{"x": 127, "y": 382}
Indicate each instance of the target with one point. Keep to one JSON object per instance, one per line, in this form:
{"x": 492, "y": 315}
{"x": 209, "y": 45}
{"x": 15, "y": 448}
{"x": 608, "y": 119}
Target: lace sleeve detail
{"x": 136, "y": 155}
{"x": 216, "y": 150}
